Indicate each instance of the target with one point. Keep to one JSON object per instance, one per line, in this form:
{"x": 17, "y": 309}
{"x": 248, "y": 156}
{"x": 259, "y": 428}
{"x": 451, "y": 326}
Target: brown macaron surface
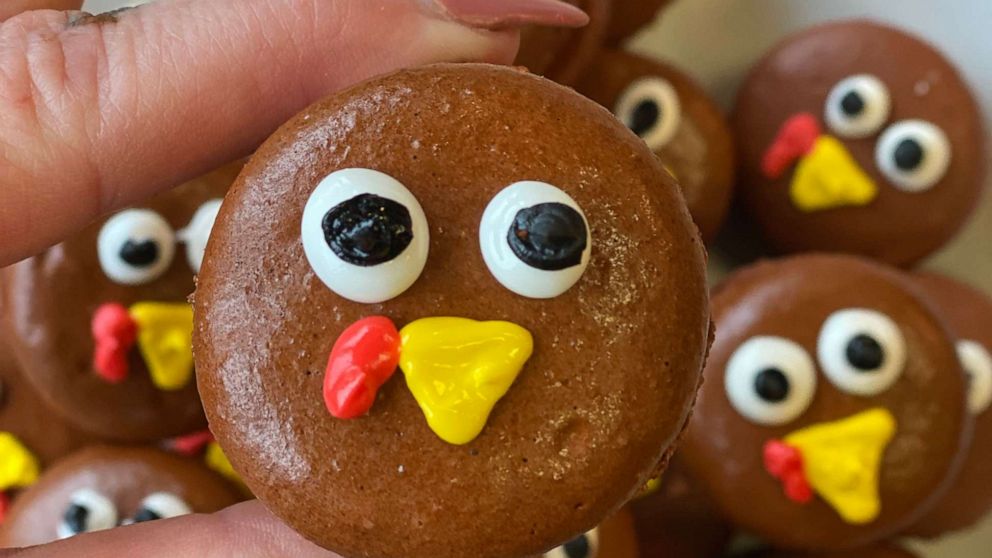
{"x": 679, "y": 122}
{"x": 832, "y": 412}
{"x": 630, "y": 16}
{"x": 103, "y": 487}
{"x": 968, "y": 313}
{"x": 561, "y": 54}
{"x": 593, "y": 412}
{"x": 858, "y": 138}
{"x": 134, "y": 266}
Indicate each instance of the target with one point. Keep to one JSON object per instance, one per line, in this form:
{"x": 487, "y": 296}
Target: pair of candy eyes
{"x": 137, "y": 246}
{"x": 583, "y": 546}
{"x": 913, "y": 154}
{"x": 366, "y": 237}
{"x": 772, "y": 380}
{"x": 89, "y": 511}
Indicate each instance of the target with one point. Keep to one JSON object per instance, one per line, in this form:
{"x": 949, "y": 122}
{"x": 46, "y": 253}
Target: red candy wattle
{"x": 785, "y": 463}
{"x": 114, "y": 333}
{"x": 190, "y": 444}
{"x": 794, "y": 140}
{"x": 364, "y": 357}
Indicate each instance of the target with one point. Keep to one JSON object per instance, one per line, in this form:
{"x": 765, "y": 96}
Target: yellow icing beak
{"x": 842, "y": 461}
{"x": 165, "y": 339}
{"x": 457, "y": 369}
{"x": 828, "y": 177}
{"x": 18, "y": 466}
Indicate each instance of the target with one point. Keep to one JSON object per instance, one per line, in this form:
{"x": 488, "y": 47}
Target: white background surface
{"x": 717, "y": 40}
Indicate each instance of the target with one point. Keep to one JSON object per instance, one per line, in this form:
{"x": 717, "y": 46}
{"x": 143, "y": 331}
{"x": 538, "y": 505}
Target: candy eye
{"x": 161, "y": 505}
{"x": 861, "y": 351}
{"x": 135, "y": 247}
{"x": 858, "y": 106}
{"x": 365, "y": 235}
{"x": 770, "y": 380}
{"x": 535, "y": 239}
{"x": 914, "y": 155}
{"x": 88, "y": 511}
{"x": 196, "y": 234}
{"x": 583, "y": 546}
{"x": 977, "y": 364}
{"x": 650, "y": 107}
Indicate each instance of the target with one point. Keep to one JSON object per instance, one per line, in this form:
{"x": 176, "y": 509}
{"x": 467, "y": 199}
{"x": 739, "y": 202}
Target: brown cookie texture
{"x": 913, "y": 209}
{"x": 803, "y": 302}
{"x": 627, "y": 17}
{"x": 677, "y": 519}
{"x": 887, "y": 550}
{"x": 561, "y": 54}
{"x": 594, "y": 411}
{"x": 968, "y": 313}
{"x": 50, "y": 303}
{"x": 686, "y": 130}
{"x": 123, "y": 479}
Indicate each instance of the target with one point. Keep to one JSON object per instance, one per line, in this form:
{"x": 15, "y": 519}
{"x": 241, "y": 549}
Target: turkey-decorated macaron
{"x": 630, "y": 16}
{"x": 614, "y": 538}
{"x": 675, "y": 518}
{"x": 885, "y": 550}
{"x": 104, "y": 487}
{"x": 429, "y": 323}
{"x": 562, "y": 53}
{"x": 968, "y": 313}
{"x": 678, "y": 121}
{"x": 833, "y": 407}
{"x": 102, "y": 323}
{"x": 859, "y": 138}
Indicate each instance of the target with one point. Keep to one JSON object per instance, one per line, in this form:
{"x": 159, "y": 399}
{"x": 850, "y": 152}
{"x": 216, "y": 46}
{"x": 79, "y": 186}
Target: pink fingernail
{"x": 497, "y": 14}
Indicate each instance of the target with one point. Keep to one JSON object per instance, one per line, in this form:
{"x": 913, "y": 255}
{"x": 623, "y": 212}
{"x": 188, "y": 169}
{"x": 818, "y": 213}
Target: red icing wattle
{"x": 795, "y": 139}
{"x": 785, "y": 463}
{"x": 364, "y": 357}
{"x": 190, "y": 444}
{"x": 114, "y": 333}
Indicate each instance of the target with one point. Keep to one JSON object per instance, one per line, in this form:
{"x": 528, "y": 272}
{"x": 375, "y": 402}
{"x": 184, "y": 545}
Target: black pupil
{"x": 145, "y": 514}
{"x": 772, "y": 385}
{"x": 852, "y": 104}
{"x": 644, "y": 117}
{"x": 548, "y": 236}
{"x": 139, "y": 254}
{"x": 908, "y": 154}
{"x": 578, "y": 547}
{"x": 368, "y": 230}
{"x": 75, "y": 518}
{"x": 865, "y": 353}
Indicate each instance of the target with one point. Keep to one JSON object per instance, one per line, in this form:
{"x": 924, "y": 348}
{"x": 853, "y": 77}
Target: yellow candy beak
{"x": 829, "y": 177}
{"x": 18, "y": 466}
{"x": 457, "y": 369}
{"x": 165, "y": 339}
{"x": 842, "y": 461}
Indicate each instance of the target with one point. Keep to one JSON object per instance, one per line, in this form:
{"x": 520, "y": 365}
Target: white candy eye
{"x": 161, "y": 505}
{"x": 365, "y": 235}
{"x": 535, "y": 239}
{"x": 914, "y": 155}
{"x": 770, "y": 380}
{"x": 650, "y": 107}
{"x": 88, "y": 511}
{"x": 583, "y": 546}
{"x": 135, "y": 247}
{"x": 858, "y": 107}
{"x": 196, "y": 234}
{"x": 977, "y": 364}
{"x": 862, "y": 352}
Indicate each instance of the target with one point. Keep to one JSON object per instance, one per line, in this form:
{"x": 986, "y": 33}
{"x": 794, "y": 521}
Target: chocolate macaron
{"x": 546, "y": 328}
{"x": 630, "y": 16}
{"x": 679, "y": 122}
{"x": 832, "y": 412}
{"x": 102, "y": 323}
{"x": 562, "y": 54}
{"x": 859, "y": 138}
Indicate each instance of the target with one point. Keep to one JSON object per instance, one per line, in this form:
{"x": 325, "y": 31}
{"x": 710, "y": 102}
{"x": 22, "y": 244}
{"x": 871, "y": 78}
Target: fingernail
{"x": 497, "y": 14}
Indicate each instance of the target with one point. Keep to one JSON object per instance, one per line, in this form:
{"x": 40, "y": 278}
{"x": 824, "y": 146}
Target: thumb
{"x": 243, "y": 531}
{"x": 10, "y": 8}
{"x": 99, "y": 111}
